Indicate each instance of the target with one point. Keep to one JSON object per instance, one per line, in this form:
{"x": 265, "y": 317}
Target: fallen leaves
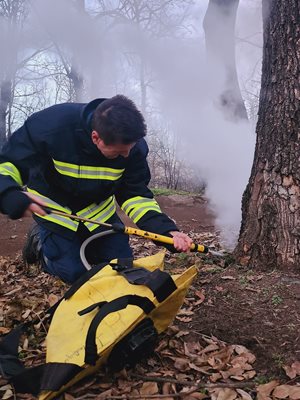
{"x": 216, "y": 359}
{"x": 196, "y": 367}
{"x": 273, "y": 390}
{"x": 7, "y": 394}
{"x": 148, "y": 388}
{"x": 293, "y": 370}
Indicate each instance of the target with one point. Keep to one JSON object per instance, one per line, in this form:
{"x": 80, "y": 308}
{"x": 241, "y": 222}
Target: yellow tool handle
{"x": 163, "y": 239}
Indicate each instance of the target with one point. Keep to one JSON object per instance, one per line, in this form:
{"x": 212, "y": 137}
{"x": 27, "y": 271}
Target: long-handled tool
{"x": 118, "y": 227}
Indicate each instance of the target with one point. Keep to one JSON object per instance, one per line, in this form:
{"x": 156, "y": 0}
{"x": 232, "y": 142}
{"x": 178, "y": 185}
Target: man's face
{"x": 111, "y": 150}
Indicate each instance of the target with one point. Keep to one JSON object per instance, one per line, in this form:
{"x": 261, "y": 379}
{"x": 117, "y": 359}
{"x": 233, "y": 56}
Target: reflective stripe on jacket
{"x": 97, "y": 212}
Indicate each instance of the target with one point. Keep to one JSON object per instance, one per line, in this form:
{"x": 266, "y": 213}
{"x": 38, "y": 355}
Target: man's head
{"x": 117, "y": 125}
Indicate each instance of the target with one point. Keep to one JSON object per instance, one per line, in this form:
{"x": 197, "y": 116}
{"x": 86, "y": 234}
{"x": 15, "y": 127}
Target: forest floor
{"x": 237, "y": 335}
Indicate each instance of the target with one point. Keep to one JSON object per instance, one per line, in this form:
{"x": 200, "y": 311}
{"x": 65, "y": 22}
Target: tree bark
{"x": 5, "y": 98}
{"x": 219, "y": 26}
{"x": 270, "y": 230}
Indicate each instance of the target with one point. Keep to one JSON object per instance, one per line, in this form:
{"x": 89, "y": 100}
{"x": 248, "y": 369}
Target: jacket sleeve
{"x": 17, "y": 158}
{"x": 136, "y": 199}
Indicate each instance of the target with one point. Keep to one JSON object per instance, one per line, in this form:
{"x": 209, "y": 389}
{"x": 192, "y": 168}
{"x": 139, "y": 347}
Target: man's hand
{"x": 34, "y": 207}
{"x": 17, "y": 204}
{"x": 182, "y": 242}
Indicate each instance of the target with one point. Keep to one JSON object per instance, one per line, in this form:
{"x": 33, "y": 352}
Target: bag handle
{"x": 120, "y": 303}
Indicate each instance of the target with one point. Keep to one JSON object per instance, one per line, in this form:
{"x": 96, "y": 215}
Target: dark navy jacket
{"x": 62, "y": 132}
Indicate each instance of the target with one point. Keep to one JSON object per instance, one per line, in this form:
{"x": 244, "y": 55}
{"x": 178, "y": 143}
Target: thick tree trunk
{"x": 270, "y": 231}
{"x": 219, "y": 26}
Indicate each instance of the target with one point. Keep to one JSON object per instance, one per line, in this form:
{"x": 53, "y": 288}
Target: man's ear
{"x": 95, "y": 137}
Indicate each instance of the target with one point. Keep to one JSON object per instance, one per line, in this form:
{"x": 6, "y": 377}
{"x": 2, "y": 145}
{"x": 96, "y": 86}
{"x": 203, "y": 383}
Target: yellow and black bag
{"x": 113, "y": 316}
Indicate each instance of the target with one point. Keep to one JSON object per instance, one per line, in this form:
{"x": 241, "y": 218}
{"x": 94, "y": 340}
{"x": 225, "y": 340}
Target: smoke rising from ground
{"x": 222, "y": 149}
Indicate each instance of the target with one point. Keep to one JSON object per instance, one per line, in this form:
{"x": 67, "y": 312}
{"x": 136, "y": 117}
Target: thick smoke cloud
{"x": 182, "y": 87}
{"x": 222, "y": 149}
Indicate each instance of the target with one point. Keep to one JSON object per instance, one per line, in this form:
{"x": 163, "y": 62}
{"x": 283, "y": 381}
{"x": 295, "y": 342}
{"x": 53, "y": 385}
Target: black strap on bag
{"x": 120, "y": 303}
{"x": 10, "y": 364}
{"x": 159, "y": 282}
{"x": 50, "y": 376}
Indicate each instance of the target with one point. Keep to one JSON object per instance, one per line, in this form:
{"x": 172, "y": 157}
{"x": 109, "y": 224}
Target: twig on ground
{"x": 204, "y": 385}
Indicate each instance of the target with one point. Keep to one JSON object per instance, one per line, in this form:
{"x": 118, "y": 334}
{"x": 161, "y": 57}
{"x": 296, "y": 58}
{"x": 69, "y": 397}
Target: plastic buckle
{"x": 118, "y": 267}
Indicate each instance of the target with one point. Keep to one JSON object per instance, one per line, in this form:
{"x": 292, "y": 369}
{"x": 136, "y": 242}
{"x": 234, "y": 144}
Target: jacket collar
{"x": 86, "y": 123}
{"x": 87, "y": 114}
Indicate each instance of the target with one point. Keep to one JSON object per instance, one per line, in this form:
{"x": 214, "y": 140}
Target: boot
{"x": 31, "y": 252}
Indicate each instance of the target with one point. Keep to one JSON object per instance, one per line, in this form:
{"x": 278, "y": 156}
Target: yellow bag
{"x": 112, "y": 315}
{"x": 67, "y": 337}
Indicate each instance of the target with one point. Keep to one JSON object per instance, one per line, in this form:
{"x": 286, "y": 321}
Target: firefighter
{"x": 80, "y": 159}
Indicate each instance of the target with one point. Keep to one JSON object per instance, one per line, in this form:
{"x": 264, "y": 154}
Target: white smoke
{"x": 222, "y": 149}
{"x": 181, "y": 86}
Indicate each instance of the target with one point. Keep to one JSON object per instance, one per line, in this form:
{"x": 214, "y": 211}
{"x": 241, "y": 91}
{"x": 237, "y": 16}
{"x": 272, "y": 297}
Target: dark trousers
{"x": 61, "y": 256}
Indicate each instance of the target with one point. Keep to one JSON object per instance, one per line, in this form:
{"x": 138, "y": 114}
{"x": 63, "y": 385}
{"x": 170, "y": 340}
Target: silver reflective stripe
{"x": 136, "y": 215}
{"x": 87, "y": 171}
{"x": 60, "y": 220}
{"x": 131, "y": 204}
{"x": 94, "y": 208}
{"x": 49, "y": 202}
{"x": 102, "y": 217}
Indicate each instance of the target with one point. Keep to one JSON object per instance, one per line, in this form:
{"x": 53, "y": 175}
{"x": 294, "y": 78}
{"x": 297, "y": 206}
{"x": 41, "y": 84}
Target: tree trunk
{"x": 76, "y": 83}
{"x": 270, "y": 230}
{"x": 219, "y": 25}
{"x": 5, "y": 99}
{"x": 143, "y": 87}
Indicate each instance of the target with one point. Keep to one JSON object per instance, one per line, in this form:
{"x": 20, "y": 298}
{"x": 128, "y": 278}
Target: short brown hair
{"x": 117, "y": 120}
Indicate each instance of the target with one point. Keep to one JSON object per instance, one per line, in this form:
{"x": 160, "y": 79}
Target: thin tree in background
{"x": 26, "y": 67}
{"x": 219, "y": 26}
{"x": 151, "y": 21}
{"x": 58, "y": 38}
{"x": 12, "y": 15}
{"x": 270, "y": 231}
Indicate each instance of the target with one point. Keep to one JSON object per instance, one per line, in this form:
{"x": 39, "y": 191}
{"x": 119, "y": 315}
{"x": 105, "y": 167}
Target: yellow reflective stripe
{"x": 8, "y": 169}
{"x": 103, "y": 216}
{"x": 60, "y": 220}
{"x": 138, "y": 206}
{"x": 131, "y": 202}
{"x": 94, "y": 208}
{"x": 49, "y": 202}
{"x": 87, "y": 172}
{"x": 97, "y": 212}
{"x": 57, "y": 219}
{"x": 141, "y": 212}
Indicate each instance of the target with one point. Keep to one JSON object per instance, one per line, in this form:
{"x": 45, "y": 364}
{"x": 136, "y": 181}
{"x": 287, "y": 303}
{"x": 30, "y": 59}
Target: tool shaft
{"x": 76, "y": 217}
{"x": 130, "y": 231}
